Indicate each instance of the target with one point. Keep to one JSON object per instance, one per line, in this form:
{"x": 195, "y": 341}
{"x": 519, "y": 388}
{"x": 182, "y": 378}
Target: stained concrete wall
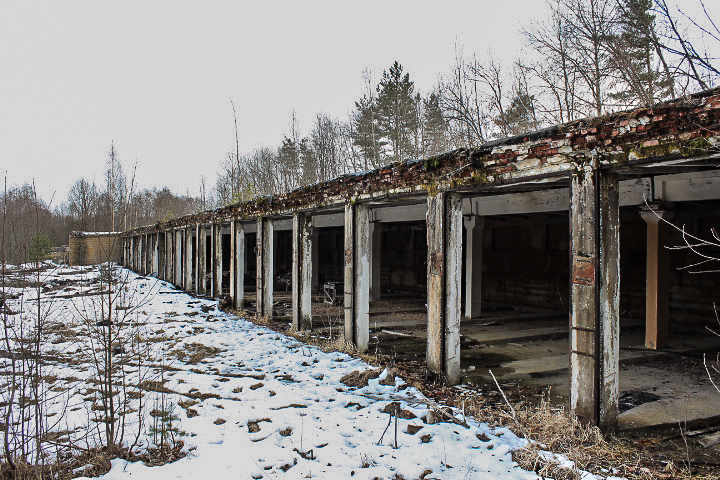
{"x": 88, "y": 248}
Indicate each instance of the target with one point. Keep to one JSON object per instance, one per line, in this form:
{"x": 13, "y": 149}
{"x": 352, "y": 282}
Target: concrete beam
{"x": 328, "y": 220}
{"x": 302, "y": 272}
{"x": 657, "y": 276}
{"x": 594, "y": 318}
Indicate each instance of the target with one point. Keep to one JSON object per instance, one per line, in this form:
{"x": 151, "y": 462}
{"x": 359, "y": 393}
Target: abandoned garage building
{"x": 560, "y": 234}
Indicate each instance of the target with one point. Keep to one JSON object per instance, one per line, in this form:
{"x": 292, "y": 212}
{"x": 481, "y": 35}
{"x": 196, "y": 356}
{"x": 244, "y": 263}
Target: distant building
{"x": 91, "y": 248}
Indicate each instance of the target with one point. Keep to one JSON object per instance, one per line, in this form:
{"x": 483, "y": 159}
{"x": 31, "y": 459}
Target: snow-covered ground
{"x": 267, "y": 406}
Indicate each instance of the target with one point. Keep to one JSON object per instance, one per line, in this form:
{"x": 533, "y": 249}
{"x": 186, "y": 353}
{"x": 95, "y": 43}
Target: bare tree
{"x": 460, "y": 99}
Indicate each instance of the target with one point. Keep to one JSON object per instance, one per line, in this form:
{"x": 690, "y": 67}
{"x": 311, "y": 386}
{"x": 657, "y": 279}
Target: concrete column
{"x": 349, "y": 273}
{"x": 268, "y": 266}
{"x": 595, "y": 292}
{"x": 217, "y": 260}
{"x": 189, "y": 260}
{"x": 167, "y": 256}
{"x": 302, "y": 272}
{"x": 157, "y": 254}
{"x": 201, "y": 255}
{"x": 178, "y": 257}
{"x": 657, "y": 276}
{"x": 145, "y": 253}
{"x": 473, "y": 265}
{"x": 132, "y": 254}
{"x": 315, "y": 245}
{"x": 362, "y": 277}
{"x": 259, "y": 271}
{"x": 237, "y": 262}
{"x": 444, "y": 234}
{"x": 375, "y": 249}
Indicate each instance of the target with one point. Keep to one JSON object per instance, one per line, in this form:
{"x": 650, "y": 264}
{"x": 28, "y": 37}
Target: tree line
{"x": 587, "y": 58}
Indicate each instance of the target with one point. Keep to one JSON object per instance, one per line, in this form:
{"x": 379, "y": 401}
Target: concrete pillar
{"x": 595, "y": 292}
{"x": 167, "y": 256}
{"x": 237, "y": 262}
{"x": 131, "y": 259}
{"x": 145, "y": 253}
{"x": 349, "y": 273}
{"x": 657, "y": 276}
{"x": 178, "y": 257}
{"x": 189, "y": 260}
{"x": 217, "y": 260}
{"x": 315, "y": 245}
{"x": 362, "y": 277}
{"x": 375, "y": 249}
{"x": 259, "y": 275}
{"x": 268, "y": 266}
{"x": 444, "y": 234}
{"x": 302, "y": 272}
{"x": 201, "y": 255}
{"x": 473, "y": 265}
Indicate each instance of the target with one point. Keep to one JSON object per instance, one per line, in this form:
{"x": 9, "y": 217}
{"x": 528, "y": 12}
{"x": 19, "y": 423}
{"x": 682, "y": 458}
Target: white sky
{"x": 156, "y": 77}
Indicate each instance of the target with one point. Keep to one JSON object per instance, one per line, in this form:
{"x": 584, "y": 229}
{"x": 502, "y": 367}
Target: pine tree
{"x": 366, "y": 132}
{"x": 435, "y": 138}
{"x": 636, "y": 57}
{"x": 396, "y": 111}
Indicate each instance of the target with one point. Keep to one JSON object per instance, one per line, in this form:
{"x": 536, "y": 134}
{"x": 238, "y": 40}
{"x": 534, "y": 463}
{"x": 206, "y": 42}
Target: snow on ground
{"x": 267, "y": 405}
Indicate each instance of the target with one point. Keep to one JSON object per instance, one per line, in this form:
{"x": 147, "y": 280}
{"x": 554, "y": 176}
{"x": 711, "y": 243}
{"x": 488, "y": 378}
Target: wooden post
{"x": 657, "y": 277}
{"x": 594, "y": 337}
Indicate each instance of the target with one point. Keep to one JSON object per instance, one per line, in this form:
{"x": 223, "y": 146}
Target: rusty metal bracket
{"x": 585, "y": 354}
{"x": 586, "y": 329}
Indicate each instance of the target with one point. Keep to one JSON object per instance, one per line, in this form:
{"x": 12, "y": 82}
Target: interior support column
{"x": 189, "y": 260}
{"x": 268, "y": 251}
{"x": 259, "y": 271}
{"x": 473, "y": 265}
{"x": 201, "y": 254}
{"x": 444, "y": 239}
{"x": 595, "y": 326}
{"x": 302, "y": 271}
{"x": 145, "y": 253}
{"x": 217, "y": 260}
{"x": 177, "y": 263}
{"x": 315, "y": 282}
{"x": 239, "y": 262}
{"x": 657, "y": 277}
{"x": 376, "y": 250}
{"x": 349, "y": 273}
{"x": 362, "y": 277}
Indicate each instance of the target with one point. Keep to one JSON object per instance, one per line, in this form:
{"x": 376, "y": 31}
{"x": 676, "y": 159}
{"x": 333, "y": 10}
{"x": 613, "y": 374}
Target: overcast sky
{"x": 156, "y": 77}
